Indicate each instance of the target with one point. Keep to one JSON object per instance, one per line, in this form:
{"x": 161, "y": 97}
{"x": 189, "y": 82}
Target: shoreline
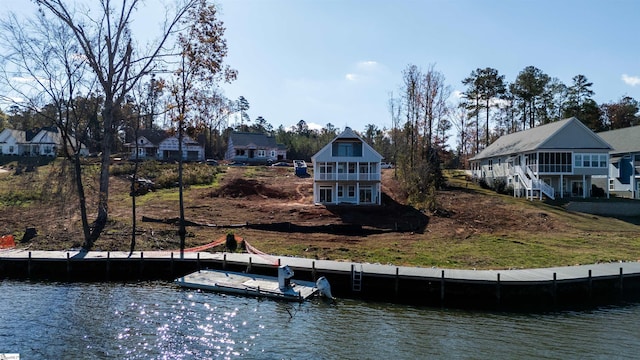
{"x": 528, "y": 290}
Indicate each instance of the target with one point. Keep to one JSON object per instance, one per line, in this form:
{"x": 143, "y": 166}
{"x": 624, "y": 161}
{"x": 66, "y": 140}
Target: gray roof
{"x": 259, "y": 140}
{"x": 564, "y": 134}
{"x": 626, "y": 140}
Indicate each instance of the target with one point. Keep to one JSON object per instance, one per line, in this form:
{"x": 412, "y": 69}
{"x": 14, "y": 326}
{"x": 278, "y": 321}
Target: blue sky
{"x": 337, "y": 61}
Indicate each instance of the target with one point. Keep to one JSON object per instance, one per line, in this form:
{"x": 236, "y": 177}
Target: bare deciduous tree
{"x": 107, "y": 46}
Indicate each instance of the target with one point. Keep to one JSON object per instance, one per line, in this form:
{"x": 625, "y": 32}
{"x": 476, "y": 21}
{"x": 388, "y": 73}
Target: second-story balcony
{"x": 347, "y": 176}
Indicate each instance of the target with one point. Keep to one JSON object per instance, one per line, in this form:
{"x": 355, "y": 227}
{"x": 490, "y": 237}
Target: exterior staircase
{"x": 532, "y": 183}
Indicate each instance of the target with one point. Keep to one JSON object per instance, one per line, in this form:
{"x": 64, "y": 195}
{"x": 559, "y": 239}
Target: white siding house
{"x": 161, "y": 145}
{"x": 49, "y": 143}
{"x": 624, "y": 162}
{"x": 347, "y": 171}
{"x": 13, "y": 142}
{"x": 46, "y": 142}
{"x": 556, "y": 160}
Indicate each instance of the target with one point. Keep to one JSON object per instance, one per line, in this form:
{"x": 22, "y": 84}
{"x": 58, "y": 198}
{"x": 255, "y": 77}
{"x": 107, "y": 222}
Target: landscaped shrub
{"x": 597, "y": 191}
{"x": 499, "y": 185}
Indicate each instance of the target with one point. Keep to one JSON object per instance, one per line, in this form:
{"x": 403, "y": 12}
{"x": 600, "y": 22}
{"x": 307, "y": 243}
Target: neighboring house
{"x": 624, "y": 162}
{"x": 45, "y": 142}
{"x": 161, "y": 145}
{"x": 254, "y": 148}
{"x": 556, "y": 160}
{"x": 347, "y": 171}
{"x": 48, "y": 141}
{"x": 13, "y": 142}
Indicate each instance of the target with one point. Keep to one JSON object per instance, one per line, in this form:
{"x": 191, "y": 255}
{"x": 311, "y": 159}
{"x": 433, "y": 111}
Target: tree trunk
{"x": 103, "y": 199}
{"x": 86, "y": 230}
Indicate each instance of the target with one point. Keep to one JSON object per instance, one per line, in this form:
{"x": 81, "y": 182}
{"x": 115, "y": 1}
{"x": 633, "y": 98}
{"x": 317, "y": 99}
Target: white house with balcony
{"x": 347, "y": 171}
{"x": 553, "y": 160}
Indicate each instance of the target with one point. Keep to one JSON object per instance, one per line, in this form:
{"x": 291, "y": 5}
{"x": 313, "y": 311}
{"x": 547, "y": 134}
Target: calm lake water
{"x": 42, "y": 320}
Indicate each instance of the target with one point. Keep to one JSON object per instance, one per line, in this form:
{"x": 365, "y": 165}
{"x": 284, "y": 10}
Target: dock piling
{"x": 68, "y": 266}
{"x": 621, "y": 289}
{"x": 498, "y": 289}
{"x": 442, "y": 289}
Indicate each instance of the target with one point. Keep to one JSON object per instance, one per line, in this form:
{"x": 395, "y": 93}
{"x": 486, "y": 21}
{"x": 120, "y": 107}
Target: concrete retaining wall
{"x": 613, "y": 208}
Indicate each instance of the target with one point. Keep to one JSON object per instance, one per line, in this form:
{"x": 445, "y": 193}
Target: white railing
{"x": 537, "y": 184}
{"x": 346, "y": 176}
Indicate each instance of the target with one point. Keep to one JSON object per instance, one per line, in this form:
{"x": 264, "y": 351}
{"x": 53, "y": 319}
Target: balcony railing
{"x": 346, "y": 177}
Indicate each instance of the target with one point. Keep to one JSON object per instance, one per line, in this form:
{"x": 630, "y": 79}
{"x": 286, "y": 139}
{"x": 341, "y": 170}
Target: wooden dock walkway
{"x": 548, "y": 287}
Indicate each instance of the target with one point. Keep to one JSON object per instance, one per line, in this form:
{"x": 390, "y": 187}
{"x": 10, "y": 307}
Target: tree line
{"x": 91, "y": 78}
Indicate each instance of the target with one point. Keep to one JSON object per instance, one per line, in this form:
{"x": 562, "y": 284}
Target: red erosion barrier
{"x": 7, "y": 242}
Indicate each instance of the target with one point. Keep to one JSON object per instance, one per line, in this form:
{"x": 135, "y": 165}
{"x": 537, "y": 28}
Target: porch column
{"x": 607, "y": 185}
{"x": 584, "y": 187}
{"x": 335, "y": 197}
{"x": 561, "y": 186}
{"x": 358, "y": 192}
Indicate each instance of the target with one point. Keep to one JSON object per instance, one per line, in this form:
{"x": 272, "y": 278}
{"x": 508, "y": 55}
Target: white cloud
{"x": 367, "y": 65}
{"x": 631, "y": 80}
{"x": 364, "y": 71}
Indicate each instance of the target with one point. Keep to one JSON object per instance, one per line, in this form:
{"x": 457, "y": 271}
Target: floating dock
{"x": 248, "y": 285}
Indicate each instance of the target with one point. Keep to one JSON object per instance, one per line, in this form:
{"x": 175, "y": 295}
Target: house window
{"x": 346, "y": 148}
{"x": 262, "y": 153}
{"x": 141, "y": 141}
{"x": 10, "y": 149}
{"x": 240, "y": 152}
{"x": 612, "y": 185}
{"x": 352, "y": 168}
{"x": 342, "y": 167}
{"x": 273, "y": 153}
{"x": 578, "y": 160}
{"x": 340, "y": 191}
{"x": 591, "y": 160}
{"x": 603, "y": 161}
{"x": 351, "y": 190}
{"x": 326, "y": 194}
{"x": 490, "y": 165}
{"x": 365, "y": 194}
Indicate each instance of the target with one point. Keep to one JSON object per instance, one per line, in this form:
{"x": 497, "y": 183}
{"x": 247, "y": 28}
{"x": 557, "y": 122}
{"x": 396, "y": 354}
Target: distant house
{"x": 558, "y": 159}
{"x": 43, "y": 142}
{"x": 347, "y": 171}
{"x": 624, "y": 162}
{"x": 48, "y": 141}
{"x": 162, "y": 145}
{"x": 13, "y": 142}
{"x": 254, "y": 148}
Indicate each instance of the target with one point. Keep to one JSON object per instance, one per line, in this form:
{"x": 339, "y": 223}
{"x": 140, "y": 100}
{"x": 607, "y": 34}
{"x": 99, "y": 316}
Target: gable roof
{"x": 625, "y": 140}
{"x": 154, "y": 136}
{"x": 565, "y": 134}
{"x": 346, "y": 135}
{"x": 18, "y": 135}
{"x": 47, "y": 136}
{"x": 257, "y": 139}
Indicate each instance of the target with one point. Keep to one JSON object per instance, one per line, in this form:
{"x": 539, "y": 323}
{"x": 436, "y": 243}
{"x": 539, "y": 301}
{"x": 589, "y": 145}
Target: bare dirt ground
{"x": 272, "y": 195}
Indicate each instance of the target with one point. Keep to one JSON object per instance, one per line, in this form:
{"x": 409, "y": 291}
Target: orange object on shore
{"x": 7, "y": 242}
